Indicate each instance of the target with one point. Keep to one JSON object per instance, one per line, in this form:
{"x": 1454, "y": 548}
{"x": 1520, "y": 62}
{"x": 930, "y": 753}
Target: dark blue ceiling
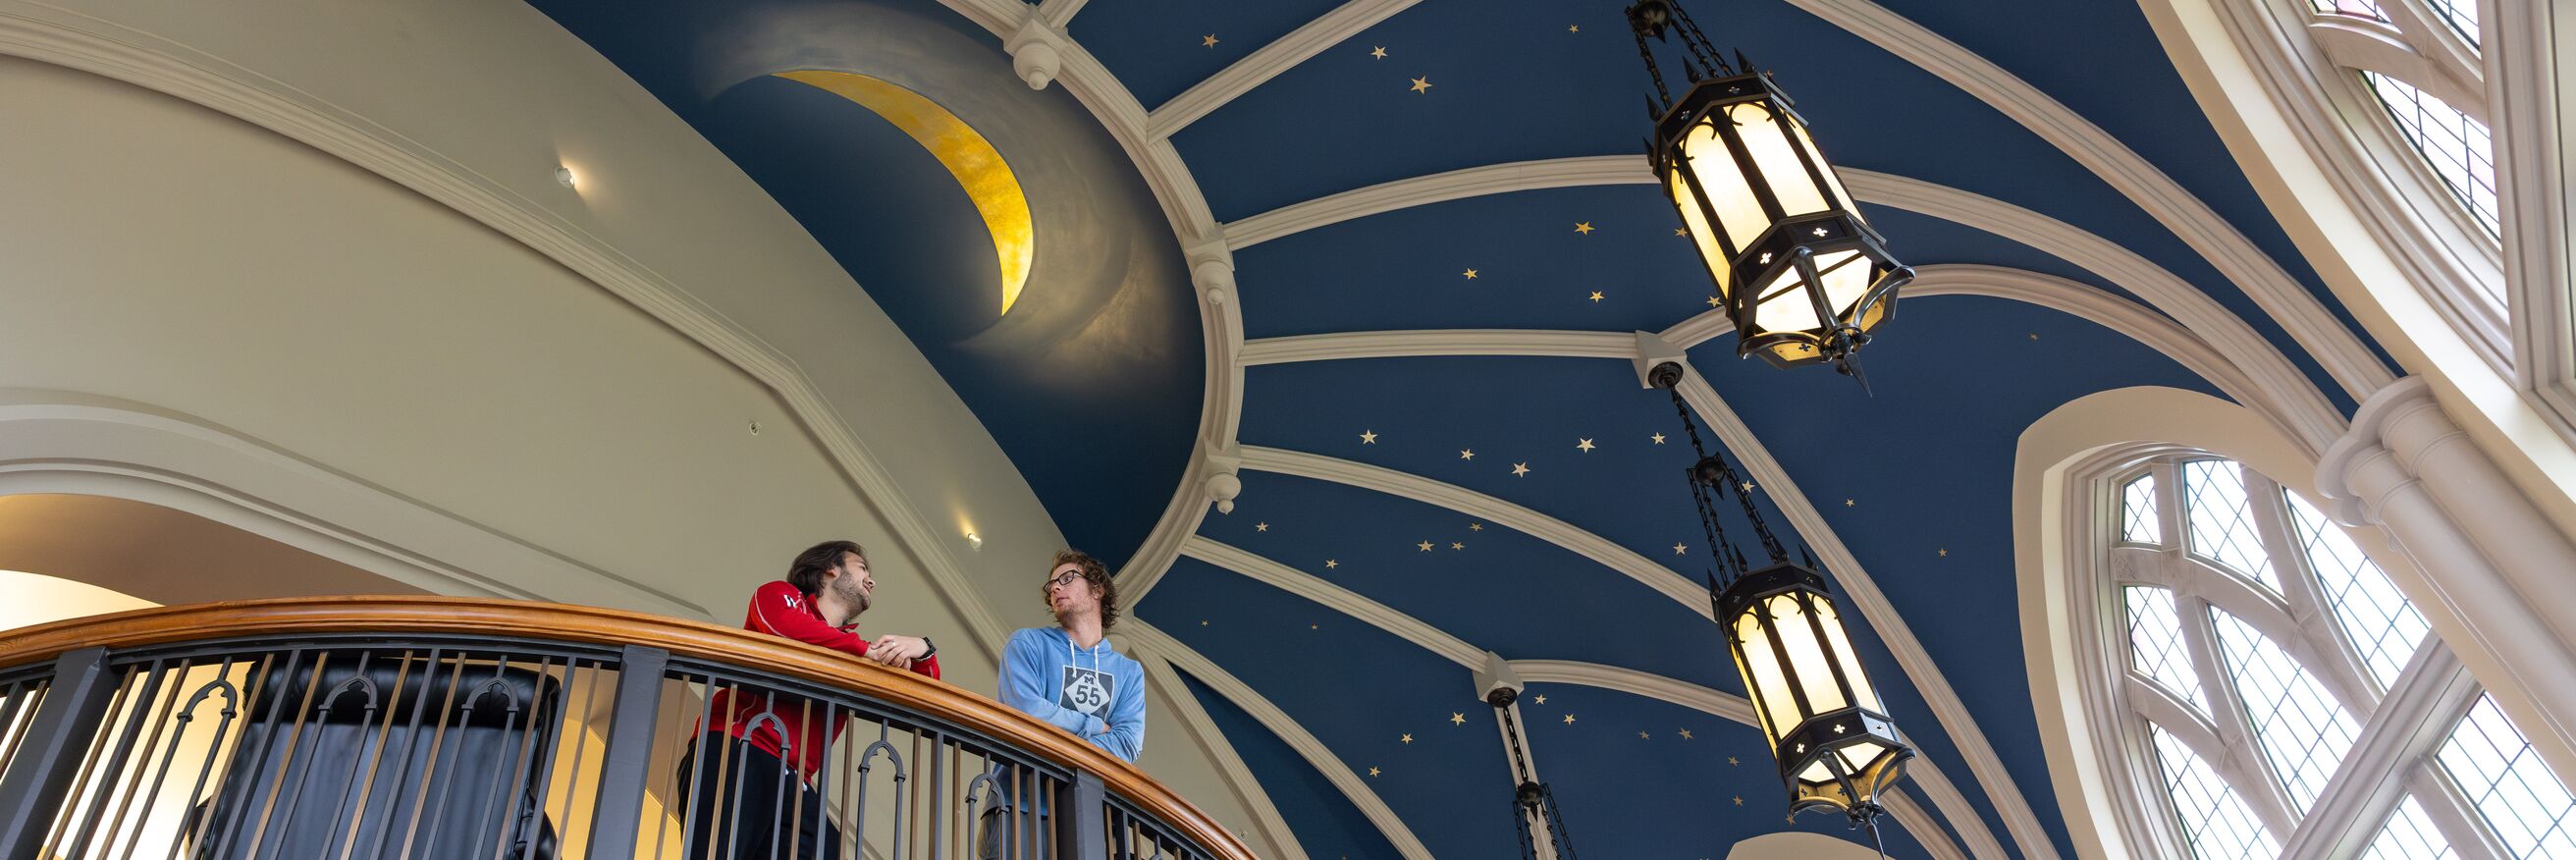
{"x": 1915, "y": 480}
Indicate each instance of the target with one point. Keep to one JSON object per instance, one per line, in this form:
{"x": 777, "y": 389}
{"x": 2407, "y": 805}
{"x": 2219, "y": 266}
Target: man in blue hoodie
{"x": 1068, "y": 676}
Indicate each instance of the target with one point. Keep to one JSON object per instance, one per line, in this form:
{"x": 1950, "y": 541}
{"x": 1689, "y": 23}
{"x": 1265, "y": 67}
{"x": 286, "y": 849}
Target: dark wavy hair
{"x": 1092, "y": 572}
{"x": 806, "y": 572}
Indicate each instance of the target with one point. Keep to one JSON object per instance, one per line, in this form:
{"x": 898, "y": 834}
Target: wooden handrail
{"x": 288, "y": 618}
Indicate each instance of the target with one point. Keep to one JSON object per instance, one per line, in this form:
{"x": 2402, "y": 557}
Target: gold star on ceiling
{"x": 1679, "y": 549}
{"x": 1748, "y": 486}
{"x": 1712, "y": 301}
{"x": 1596, "y": 295}
{"x": 1467, "y": 454}
{"x": 1261, "y": 527}
{"x": 1470, "y": 273}
{"x": 1368, "y": 437}
{"x": 1542, "y": 700}
{"x": 1456, "y": 545}
{"x": 1208, "y": 40}
{"x": 1739, "y": 800}
{"x": 1581, "y": 444}
{"x": 1945, "y": 552}
{"x": 1456, "y": 719}
{"x": 1731, "y": 762}
{"x": 1569, "y": 719}
{"x": 1408, "y": 738}
{"x": 1331, "y": 563}
{"x": 1425, "y": 545}
{"x": 2034, "y": 335}
{"x": 1583, "y": 227}
{"x": 1641, "y": 736}
{"x": 1659, "y": 438}
{"x": 1849, "y": 503}
{"x": 1314, "y": 627}
{"x": 1686, "y": 735}
{"x": 1520, "y": 469}
{"x": 1372, "y": 772}
{"x": 1422, "y": 84}
{"x": 1475, "y": 527}
{"x": 1677, "y": 231}
{"x": 1573, "y": 28}
{"x": 1378, "y": 52}
{"x": 1203, "y": 622}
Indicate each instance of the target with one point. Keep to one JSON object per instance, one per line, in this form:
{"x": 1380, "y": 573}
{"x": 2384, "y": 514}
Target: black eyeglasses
{"x": 1066, "y": 578}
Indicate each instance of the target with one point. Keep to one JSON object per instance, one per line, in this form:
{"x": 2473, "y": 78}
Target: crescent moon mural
{"x": 970, "y": 158}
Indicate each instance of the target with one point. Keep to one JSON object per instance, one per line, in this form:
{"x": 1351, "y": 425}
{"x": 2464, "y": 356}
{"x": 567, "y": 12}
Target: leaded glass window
{"x": 2138, "y": 511}
{"x": 2301, "y": 729}
{"x": 2218, "y": 516}
{"x": 2521, "y": 801}
{"x": 2453, "y": 143}
{"x": 2215, "y": 821}
{"x": 2253, "y": 666}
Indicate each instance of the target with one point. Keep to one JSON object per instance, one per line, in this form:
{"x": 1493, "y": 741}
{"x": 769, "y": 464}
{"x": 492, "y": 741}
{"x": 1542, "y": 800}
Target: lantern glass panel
{"x": 1772, "y": 142}
{"x": 1763, "y": 678}
{"x": 1858, "y": 757}
{"x": 1720, "y": 266}
{"x": 1783, "y": 304}
{"x": 1833, "y": 182}
{"x": 1862, "y": 693}
{"x": 1806, "y": 654}
{"x": 1729, "y": 192}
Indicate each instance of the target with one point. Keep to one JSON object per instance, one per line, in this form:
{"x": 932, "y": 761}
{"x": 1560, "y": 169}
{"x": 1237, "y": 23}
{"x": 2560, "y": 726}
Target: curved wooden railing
{"x": 595, "y": 716}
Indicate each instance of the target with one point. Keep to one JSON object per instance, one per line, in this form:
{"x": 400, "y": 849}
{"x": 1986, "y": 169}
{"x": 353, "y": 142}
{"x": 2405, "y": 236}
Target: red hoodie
{"x": 778, "y": 609}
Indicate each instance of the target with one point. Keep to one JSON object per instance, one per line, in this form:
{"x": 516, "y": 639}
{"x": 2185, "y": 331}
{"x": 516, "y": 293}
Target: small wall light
{"x": 975, "y": 540}
{"x": 563, "y": 176}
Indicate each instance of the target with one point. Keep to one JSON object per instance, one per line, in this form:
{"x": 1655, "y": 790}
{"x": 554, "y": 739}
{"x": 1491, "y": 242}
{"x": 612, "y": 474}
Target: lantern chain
{"x": 1529, "y": 796}
{"x": 1724, "y": 477}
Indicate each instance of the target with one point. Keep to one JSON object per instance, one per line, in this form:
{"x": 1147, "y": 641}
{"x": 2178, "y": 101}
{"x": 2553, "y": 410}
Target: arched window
{"x": 2261, "y": 641}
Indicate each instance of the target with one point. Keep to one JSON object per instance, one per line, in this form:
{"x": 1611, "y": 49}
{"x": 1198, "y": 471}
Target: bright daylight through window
{"x": 2213, "y": 621}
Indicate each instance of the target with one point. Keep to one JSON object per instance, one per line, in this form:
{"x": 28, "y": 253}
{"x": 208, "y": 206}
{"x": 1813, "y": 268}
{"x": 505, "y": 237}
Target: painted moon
{"x": 970, "y": 158}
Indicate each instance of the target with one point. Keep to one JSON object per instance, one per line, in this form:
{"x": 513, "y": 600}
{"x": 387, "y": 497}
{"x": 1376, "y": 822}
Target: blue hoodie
{"x": 1096, "y": 693}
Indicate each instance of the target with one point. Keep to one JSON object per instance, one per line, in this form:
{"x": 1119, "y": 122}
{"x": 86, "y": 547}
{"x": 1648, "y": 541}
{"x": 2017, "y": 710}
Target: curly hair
{"x": 1093, "y": 572}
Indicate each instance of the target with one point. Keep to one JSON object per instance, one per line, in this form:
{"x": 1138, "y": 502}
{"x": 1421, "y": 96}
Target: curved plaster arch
{"x": 1944, "y": 795}
{"x": 59, "y": 442}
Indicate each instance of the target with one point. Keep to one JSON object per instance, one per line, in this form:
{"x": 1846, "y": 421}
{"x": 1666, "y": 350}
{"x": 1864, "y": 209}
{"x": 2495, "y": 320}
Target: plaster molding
{"x": 2490, "y": 558}
{"x": 1211, "y": 741}
{"x": 1621, "y": 679}
{"x": 1336, "y": 598}
{"x": 1437, "y": 188}
{"x": 1059, "y": 13}
{"x": 1261, "y": 65}
{"x": 2010, "y": 805}
{"x": 1936, "y": 785}
{"x": 2341, "y": 353}
{"x": 61, "y": 442}
{"x": 2357, "y": 43}
{"x": 1353, "y": 787}
{"x": 1425, "y": 342}
{"x": 2286, "y": 389}
{"x": 1916, "y": 821}
{"x": 2533, "y": 100}
{"x": 97, "y": 47}
{"x": 1405, "y": 485}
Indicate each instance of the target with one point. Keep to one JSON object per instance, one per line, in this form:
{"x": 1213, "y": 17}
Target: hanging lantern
{"x": 1836, "y": 747}
{"x": 1829, "y": 731}
{"x": 1802, "y": 276}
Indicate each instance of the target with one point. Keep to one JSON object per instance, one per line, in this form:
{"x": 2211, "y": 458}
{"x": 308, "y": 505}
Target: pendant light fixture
{"x": 1829, "y": 731}
{"x": 1533, "y": 803}
{"x": 1802, "y": 276}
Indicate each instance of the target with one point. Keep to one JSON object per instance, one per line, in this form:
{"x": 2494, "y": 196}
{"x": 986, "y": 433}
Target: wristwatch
{"x": 927, "y": 650}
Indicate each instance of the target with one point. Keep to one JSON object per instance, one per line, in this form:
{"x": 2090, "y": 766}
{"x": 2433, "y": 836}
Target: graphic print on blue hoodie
{"x": 1096, "y": 693}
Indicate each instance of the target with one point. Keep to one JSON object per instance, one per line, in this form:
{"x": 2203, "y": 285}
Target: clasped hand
{"x": 897, "y": 651}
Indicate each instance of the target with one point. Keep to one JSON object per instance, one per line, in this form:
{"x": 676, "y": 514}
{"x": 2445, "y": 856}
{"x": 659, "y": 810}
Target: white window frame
{"x": 2308, "y": 63}
{"x": 2403, "y": 727}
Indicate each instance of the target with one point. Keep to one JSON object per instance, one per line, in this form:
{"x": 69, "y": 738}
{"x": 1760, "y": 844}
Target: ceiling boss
{"x": 1800, "y": 273}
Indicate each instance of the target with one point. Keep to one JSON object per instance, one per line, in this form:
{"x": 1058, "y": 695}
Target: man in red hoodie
{"x": 746, "y": 808}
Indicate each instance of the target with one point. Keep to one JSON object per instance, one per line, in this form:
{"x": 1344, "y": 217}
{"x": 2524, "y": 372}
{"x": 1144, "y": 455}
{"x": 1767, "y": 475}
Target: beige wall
{"x": 416, "y": 390}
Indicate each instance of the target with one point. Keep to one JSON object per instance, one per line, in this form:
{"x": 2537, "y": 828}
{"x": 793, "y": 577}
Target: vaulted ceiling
{"x": 1445, "y": 449}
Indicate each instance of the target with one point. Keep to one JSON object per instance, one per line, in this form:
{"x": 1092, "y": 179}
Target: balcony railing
{"x": 451, "y": 728}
